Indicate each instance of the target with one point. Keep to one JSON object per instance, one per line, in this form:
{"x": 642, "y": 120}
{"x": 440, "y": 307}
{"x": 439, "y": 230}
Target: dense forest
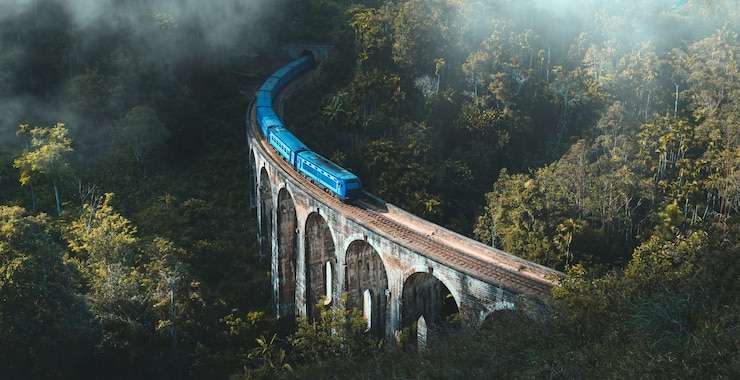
{"x": 599, "y": 138}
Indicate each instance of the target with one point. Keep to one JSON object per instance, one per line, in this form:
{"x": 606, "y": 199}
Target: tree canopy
{"x": 598, "y": 138}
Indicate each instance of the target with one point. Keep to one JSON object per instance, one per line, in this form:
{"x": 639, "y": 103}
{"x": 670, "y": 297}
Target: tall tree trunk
{"x": 56, "y": 197}
{"x": 647, "y": 105}
{"x": 173, "y": 315}
{"x": 675, "y": 105}
{"x": 33, "y": 197}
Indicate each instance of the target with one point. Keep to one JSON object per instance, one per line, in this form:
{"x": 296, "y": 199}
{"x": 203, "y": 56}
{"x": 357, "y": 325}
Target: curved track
{"x": 428, "y": 239}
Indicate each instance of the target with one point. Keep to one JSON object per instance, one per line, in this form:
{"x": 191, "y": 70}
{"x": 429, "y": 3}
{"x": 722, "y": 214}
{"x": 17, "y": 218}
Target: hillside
{"x": 599, "y": 139}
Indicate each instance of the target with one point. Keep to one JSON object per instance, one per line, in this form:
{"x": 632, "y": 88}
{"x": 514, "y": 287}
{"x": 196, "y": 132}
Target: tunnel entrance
{"x": 265, "y": 215}
{"x": 321, "y": 264}
{"x": 367, "y": 283}
{"x": 287, "y": 253}
{"x": 428, "y": 309}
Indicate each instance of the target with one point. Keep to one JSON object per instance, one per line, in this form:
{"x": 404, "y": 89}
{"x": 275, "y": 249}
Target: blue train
{"x": 330, "y": 176}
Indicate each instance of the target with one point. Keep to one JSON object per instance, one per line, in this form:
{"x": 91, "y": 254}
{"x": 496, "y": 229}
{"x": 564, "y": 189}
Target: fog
{"x": 219, "y": 20}
{"x": 658, "y": 21}
{"x": 166, "y": 32}
{"x": 162, "y": 32}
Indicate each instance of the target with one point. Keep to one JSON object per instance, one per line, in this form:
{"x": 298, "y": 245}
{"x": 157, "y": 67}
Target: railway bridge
{"x": 403, "y": 272}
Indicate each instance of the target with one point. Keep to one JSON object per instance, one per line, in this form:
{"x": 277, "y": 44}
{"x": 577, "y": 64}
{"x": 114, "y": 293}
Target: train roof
{"x": 289, "y": 139}
{"x": 264, "y": 98}
{"x": 269, "y": 84}
{"x": 268, "y": 118}
{"x": 282, "y": 71}
{"x": 329, "y": 166}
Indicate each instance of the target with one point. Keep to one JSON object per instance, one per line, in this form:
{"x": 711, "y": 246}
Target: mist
{"x": 596, "y": 137}
{"x": 119, "y": 40}
{"x": 664, "y": 22}
{"x": 157, "y": 35}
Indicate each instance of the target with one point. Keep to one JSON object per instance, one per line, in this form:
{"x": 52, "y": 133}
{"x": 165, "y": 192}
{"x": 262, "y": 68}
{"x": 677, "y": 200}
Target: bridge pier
{"x": 300, "y": 296}
{"x": 395, "y": 288}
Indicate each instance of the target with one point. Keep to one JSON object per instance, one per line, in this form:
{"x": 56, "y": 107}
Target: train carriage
{"x": 271, "y": 86}
{"x": 286, "y": 144}
{"x": 264, "y": 99}
{"x": 296, "y": 68}
{"x": 329, "y": 175}
{"x": 267, "y": 119}
{"x": 284, "y": 76}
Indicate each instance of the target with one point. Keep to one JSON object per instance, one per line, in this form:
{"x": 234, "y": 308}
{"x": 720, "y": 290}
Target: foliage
{"x": 141, "y": 131}
{"x": 338, "y": 332}
{"x": 593, "y": 144}
{"x": 46, "y": 156}
{"x": 45, "y": 327}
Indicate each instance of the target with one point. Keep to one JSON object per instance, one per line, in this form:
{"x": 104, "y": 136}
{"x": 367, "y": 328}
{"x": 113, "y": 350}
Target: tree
{"x": 422, "y": 34}
{"x": 44, "y": 322}
{"x": 140, "y": 131}
{"x": 87, "y": 94}
{"x": 46, "y": 156}
{"x": 124, "y": 287}
{"x": 170, "y": 288}
{"x": 519, "y": 219}
{"x": 102, "y": 235}
{"x": 105, "y": 246}
{"x": 371, "y": 34}
{"x": 338, "y": 332}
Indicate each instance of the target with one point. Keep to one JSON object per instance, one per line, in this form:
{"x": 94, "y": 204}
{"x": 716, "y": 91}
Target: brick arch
{"x": 425, "y": 295}
{"x": 365, "y": 271}
{"x": 266, "y": 214}
{"x": 252, "y": 173}
{"x": 319, "y": 244}
{"x": 305, "y": 211}
{"x": 441, "y": 275}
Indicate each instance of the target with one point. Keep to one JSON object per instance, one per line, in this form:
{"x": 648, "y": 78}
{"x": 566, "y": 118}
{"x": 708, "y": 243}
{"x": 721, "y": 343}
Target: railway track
{"x": 512, "y": 273}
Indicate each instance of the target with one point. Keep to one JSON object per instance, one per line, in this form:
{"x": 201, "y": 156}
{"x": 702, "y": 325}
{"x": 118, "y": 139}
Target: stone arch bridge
{"x": 400, "y": 270}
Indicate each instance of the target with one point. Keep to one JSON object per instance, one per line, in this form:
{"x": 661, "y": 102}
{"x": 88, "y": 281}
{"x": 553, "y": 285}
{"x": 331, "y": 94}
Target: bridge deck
{"x": 428, "y": 239}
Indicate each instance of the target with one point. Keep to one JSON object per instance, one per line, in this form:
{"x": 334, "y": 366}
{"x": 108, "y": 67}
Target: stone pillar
{"x": 341, "y": 269}
{"x": 276, "y": 282}
{"x": 300, "y": 275}
{"x": 258, "y": 199}
{"x": 274, "y": 262}
{"x": 395, "y": 290}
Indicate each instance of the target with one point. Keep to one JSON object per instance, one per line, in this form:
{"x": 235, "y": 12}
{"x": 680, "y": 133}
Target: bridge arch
{"x": 321, "y": 264}
{"x": 366, "y": 284}
{"x": 427, "y": 302}
{"x": 287, "y": 251}
{"x": 266, "y": 212}
{"x": 252, "y": 174}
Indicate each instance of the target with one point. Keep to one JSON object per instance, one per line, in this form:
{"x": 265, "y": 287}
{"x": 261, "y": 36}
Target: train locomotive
{"x": 331, "y": 177}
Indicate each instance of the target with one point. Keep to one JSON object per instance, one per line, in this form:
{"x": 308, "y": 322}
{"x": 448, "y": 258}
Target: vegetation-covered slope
{"x": 598, "y": 138}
